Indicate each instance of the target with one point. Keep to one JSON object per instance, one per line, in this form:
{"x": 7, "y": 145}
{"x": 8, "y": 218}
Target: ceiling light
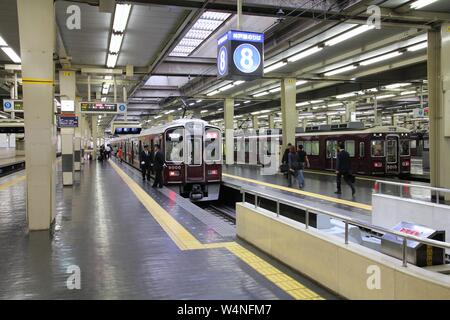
{"x": 248, "y": 101}
{"x": 346, "y": 95}
{"x": 418, "y": 46}
{"x": 337, "y": 104}
{"x": 421, "y": 3}
{"x": 116, "y": 42}
{"x": 157, "y": 117}
{"x": 277, "y": 89}
{"x": 301, "y": 104}
{"x": 112, "y": 60}
{"x": 12, "y": 54}
{"x": 3, "y": 43}
{"x": 192, "y": 103}
{"x": 227, "y": 87}
{"x": 405, "y": 93}
{"x": 349, "y": 34}
{"x": 108, "y": 77}
{"x": 236, "y": 83}
{"x": 237, "y": 104}
{"x": 304, "y": 54}
{"x": 179, "y": 109}
{"x": 198, "y": 101}
{"x": 340, "y": 70}
{"x": 203, "y": 111}
{"x": 212, "y": 93}
{"x": 274, "y": 66}
{"x": 260, "y": 94}
{"x": 121, "y": 17}
{"x": 397, "y": 85}
{"x": 300, "y": 82}
{"x": 316, "y": 101}
{"x": 381, "y": 58}
{"x": 385, "y": 96}
{"x": 220, "y": 109}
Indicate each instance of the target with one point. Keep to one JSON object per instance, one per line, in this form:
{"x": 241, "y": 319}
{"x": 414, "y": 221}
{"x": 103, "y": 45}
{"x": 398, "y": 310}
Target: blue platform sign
{"x": 67, "y": 121}
{"x": 240, "y": 55}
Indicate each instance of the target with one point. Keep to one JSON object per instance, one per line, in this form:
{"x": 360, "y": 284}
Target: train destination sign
{"x": 12, "y": 105}
{"x": 240, "y": 55}
{"x": 100, "y": 107}
{"x": 67, "y": 121}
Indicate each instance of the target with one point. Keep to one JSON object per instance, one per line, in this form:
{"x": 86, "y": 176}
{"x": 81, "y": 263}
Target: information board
{"x": 99, "y": 107}
{"x": 67, "y": 121}
{"x": 240, "y": 55}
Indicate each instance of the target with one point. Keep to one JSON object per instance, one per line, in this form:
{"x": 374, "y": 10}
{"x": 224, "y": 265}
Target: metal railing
{"x": 437, "y": 191}
{"x": 346, "y": 220}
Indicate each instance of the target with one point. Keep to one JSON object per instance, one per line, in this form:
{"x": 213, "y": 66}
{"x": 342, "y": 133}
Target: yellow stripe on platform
{"x": 12, "y": 182}
{"x": 186, "y": 241}
{"x": 304, "y": 193}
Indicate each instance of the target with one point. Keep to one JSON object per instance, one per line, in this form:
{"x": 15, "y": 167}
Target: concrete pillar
{"x": 289, "y": 116}
{"x": 439, "y": 104}
{"x": 329, "y": 119}
{"x": 394, "y": 120}
{"x": 229, "y": 130}
{"x": 77, "y": 153}
{"x": 38, "y": 97}
{"x": 350, "y": 109}
{"x": 304, "y": 123}
{"x": 271, "y": 121}
{"x": 377, "y": 120}
{"x": 67, "y": 85}
{"x": 94, "y": 136}
{"x": 255, "y": 122}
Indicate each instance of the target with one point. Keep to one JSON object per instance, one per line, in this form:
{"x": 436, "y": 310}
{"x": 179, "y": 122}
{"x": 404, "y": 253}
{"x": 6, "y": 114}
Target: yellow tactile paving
{"x": 186, "y": 241}
{"x": 12, "y": 182}
{"x": 302, "y": 192}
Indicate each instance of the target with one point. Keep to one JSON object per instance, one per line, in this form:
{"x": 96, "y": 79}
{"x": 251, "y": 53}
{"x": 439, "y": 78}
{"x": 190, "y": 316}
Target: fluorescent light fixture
{"x": 301, "y": 104}
{"x": 337, "y": 104}
{"x": 260, "y": 94}
{"x": 346, "y": 95}
{"x": 340, "y": 70}
{"x": 381, "y": 58}
{"x": 12, "y": 54}
{"x": 300, "y": 82}
{"x": 169, "y": 112}
{"x": 274, "y": 90}
{"x": 116, "y": 42}
{"x": 192, "y": 103}
{"x": 112, "y": 60}
{"x": 385, "y": 96}
{"x": 421, "y": 3}
{"x": 236, "y": 83}
{"x": 3, "y": 42}
{"x": 418, "y": 47}
{"x": 304, "y": 54}
{"x": 212, "y": 93}
{"x": 203, "y": 111}
{"x": 198, "y": 101}
{"x": 349, "y": 34}
{"x": 274, "y": 66}
{"x": 316, "y": 101}
{"x": 121, "y": 16}
{"x": 397, "y": 85}
{"x": 247, "y": 101}
{"x": 237, "y": 104}
{"x": 108, "y": 77}
{"x": 209, "y": 22}
{"x": 157, "y": 117}
{"x": 179, "y": 109}
{"x": 220, "y": 109}
{"x": 227, "y": 87}
{"x": 405, "y": 93}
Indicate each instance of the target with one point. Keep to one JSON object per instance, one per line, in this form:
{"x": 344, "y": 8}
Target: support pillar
{"x": 329, "y": 119}
{"x": 289, "y": 116}
{"x": 255, "y": 122}
{"x": 350, "y": 112}
{"x": 439, "y": 104}
{"x": 94, "y": 136}
{"x": 38, "y": 99}
{"x": 229, "y": 130}
{"x": 377, "y": 121}
{"x": 271, "y": 121}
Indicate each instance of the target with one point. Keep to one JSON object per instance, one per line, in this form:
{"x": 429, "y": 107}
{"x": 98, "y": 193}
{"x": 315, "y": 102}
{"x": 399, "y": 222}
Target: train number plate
{"x": 174, "y": 167}
{"x": 391, "y": 167}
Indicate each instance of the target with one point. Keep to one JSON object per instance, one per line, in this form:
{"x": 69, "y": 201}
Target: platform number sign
{"x": 240, "y": 55}
{"x": 122, "y": 107}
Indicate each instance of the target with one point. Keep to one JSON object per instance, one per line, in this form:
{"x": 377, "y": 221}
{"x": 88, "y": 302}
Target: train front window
{"x": 377, "y": 148}
{"x": 405, "y": 147}
{"x": 391, "y": 151}
{"x": 212, "y": 144}
{"x": 195, "y": 151}
{"x": 174, "y": 145}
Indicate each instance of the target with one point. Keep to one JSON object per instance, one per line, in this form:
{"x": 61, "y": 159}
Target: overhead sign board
{"x": 420, "y": 112}
{"x": 100, "y": 107}
{"x": 240, "y": 55}
{"x": 12, "y": 105}
{"x": 67, "y": 106}
{"x": 67, "y": 121}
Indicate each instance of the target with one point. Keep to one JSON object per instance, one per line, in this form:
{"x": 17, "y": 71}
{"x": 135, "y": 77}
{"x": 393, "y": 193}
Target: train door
{"x": 392, "y": 154}
{"x": 331, "y": 154}
{"x": 194, "y": 166}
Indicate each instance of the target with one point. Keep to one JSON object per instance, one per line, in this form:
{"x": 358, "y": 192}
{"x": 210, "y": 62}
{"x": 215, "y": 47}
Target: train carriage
{"x": 192, "y": 154}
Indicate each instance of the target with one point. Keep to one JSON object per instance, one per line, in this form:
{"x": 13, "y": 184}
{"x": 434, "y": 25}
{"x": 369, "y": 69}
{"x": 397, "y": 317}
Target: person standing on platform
{"x": 294, "y": 166}
{"x": 343, "y": 168}
{"x": 120, "y": 154}
{"x": 303, "y": 160}
{"x": 284, "y": 160}
{"x": 145, "y": 163}
{"x": 158, "y": 166}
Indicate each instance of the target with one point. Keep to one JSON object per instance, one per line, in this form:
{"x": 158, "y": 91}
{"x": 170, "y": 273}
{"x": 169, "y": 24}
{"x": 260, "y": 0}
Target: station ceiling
{"x": 162, "y": 80}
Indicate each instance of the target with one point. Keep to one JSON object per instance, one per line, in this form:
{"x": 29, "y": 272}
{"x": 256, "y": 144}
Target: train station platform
{"x": 131, "y": 241}
{"x": 11, "y": 164}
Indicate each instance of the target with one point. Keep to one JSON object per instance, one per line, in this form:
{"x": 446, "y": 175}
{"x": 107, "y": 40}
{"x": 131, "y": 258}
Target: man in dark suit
{"x": 158, "y": 166}
{"x": 343, "y": 168}
{"x": 145, "y": 159}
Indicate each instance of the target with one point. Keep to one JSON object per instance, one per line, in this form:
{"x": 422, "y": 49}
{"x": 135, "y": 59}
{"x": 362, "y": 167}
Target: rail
{"x": 346, "y": 220}
{"x": 437, "y": 191}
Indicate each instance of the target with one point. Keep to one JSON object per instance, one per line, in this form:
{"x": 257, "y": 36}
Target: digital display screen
{"x": 98, "y": 107}
{"x": 67, "y": 121}
{"x": 127, "y": 130}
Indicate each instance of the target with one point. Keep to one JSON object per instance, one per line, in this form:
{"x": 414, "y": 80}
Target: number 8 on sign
{"x": 222, "y": 63}
{"x": 247, "y": 58}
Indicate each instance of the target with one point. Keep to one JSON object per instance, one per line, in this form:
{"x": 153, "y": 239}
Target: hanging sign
{"x": 240, "y": 55}
{"x": 67, "y": 121}
{"x": 100, "y": 107}
{"x": 12, "y": 105}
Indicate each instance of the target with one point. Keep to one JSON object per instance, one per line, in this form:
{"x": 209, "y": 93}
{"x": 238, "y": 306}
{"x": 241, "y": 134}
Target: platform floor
{"x": 132, "y": 242}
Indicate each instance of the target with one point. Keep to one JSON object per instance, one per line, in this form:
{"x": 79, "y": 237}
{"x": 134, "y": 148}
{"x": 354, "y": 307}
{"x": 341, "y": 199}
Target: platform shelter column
{"x": 439, "y": 105}
{"x": 38, "y": 98}
{"x": 289, "y": 116}
{"x": 229, "y": 130}
{"x": 350, "y": 109}
{"x": 271, "y": 121}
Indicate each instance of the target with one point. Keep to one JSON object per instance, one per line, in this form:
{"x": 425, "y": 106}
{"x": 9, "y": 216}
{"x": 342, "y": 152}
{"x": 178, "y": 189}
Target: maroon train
{"x": 192, "y": 153}
{"x": 374, "y": 151}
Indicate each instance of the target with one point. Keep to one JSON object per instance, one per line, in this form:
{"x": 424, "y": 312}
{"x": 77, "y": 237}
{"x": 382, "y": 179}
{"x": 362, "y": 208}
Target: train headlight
{"x": 405, "y": 163}
{"x": 213, "y": 172}
{"x": 174, "y": 173}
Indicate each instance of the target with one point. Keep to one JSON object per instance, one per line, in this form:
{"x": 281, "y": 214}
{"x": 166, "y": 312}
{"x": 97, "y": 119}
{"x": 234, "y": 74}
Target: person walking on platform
{"x": 302, "y": 159}
{"x": 294, "y": 166}
{"x": 145, "y": 163}
{"x": 158, "y": 166}
{"x": 120, "y": 154}
{"x": 284, "y": 161}
{"x": 343, "y": 168}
